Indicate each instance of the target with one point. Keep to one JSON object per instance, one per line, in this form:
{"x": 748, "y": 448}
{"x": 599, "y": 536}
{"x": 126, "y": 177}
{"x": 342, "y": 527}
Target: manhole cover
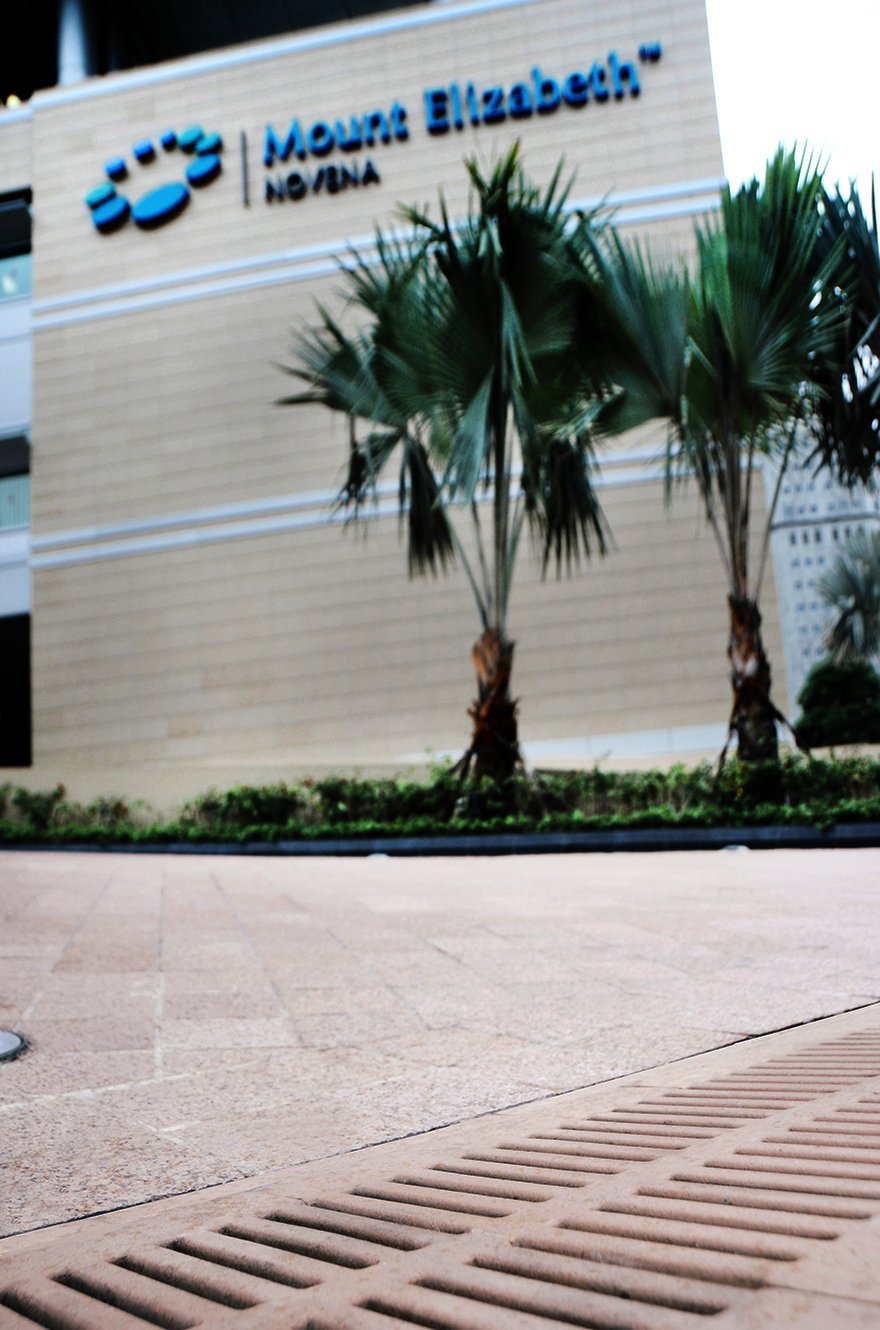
{"x": 11, "y": 1044}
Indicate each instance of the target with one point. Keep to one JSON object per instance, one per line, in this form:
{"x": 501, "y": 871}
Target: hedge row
{"x": 796, "y": 792}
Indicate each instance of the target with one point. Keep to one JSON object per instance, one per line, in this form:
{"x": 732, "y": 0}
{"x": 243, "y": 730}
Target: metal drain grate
{"x": 732, "y": 1189}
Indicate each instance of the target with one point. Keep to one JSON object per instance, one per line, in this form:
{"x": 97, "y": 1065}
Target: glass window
{"x": 15, "y": 501}
{"x": 15, "y": 277}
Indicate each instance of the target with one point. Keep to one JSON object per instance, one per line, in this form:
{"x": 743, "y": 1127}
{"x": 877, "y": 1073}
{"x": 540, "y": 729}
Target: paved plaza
{"x": 197, "y": 1020}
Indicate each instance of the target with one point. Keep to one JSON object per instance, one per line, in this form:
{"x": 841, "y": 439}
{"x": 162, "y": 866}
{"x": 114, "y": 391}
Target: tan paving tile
{"x": 90, "y": 1034}
{"x": 108, "y": 957}
{"x": 198, "y": 1061}
{"x": 220, "y": 1004}
{"x": 68, "y": 1157}
{"x": 262, "y": 1032}
{"x": 68, "y": 1073}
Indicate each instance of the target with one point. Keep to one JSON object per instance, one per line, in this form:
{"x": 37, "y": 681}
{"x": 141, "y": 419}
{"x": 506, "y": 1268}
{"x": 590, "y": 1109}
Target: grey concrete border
{"x": 855, "y": 835}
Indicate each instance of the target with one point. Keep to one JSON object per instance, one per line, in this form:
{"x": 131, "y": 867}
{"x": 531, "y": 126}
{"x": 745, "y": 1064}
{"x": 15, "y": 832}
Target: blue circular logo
{"x": 160, "y": 204}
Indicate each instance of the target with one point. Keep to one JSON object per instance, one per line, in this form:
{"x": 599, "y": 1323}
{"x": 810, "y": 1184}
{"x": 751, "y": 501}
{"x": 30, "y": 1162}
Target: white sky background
{"x": 798, "y": 71}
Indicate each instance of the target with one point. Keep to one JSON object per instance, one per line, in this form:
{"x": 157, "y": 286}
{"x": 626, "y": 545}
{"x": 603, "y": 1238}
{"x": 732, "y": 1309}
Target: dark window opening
{"x": 15, "y": 456}
{"x": 15, "y": 691}
{"x": 15, "y": 223}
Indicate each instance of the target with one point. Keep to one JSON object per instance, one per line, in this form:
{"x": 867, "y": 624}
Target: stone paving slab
{"x": 199, "y": 1021}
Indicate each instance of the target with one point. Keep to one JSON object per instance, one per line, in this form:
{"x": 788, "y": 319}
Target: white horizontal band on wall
{"x": 707, "y": 738}
{"x": 184, "y": 295}
{"x": 211, "y": 535}
{"x": 304, "y": 272}
{"x": 638, "y": 743}
{"x": 13, "y": 115}
{"x": 263, "y": 517}
{"x": 663, "y": 212}
{"x": 634, "y": 207}
{"x": 338, "y": 248}
{"x": 622, "y": 467}
{"x": 277, "y": 504}
{"x": 231, "y": 512}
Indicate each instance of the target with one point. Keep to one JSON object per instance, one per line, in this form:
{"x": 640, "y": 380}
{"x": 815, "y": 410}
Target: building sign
{"x": 295, "y": 159}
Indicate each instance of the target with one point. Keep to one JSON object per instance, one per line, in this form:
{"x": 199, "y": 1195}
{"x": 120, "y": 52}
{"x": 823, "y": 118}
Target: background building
{"x": 199, "y": 616}
{"x": 814, "y": 520}
{"x": 15, "y": 419}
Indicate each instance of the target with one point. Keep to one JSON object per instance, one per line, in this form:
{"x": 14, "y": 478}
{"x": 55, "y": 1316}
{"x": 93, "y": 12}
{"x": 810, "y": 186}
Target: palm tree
{"x": 727, "y": 356}
{"x": 852, "y": 589}
{"x": 465, "y": 363}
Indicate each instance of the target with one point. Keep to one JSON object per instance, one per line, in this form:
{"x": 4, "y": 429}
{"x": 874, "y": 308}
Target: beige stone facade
{"x": 198, "y": 615}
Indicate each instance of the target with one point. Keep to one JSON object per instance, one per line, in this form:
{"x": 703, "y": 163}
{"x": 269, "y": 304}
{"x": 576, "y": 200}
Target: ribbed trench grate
{"x": 735, "y": 1189}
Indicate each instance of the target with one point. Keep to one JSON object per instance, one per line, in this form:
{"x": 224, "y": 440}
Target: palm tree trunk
{"x": 494, "y": 747}
{"x": 753, "y": 718}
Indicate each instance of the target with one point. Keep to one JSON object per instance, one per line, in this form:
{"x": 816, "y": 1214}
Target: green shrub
{"x": 339, "y": 799}
{"x": 36, "y": 808}
{"x": 244, "y": 805}
{"x": 840, "y": 705}
{"x": 111, "y": 813}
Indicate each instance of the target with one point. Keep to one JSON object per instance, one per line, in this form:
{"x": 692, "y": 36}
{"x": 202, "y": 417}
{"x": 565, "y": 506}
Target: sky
{"x": 798, "y": 71}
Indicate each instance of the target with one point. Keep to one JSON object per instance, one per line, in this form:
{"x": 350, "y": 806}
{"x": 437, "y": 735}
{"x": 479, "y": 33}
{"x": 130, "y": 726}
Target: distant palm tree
{"x": 727, "y": 355}
{"x": 468, "y": 360}
{"x": 852, "y": 589}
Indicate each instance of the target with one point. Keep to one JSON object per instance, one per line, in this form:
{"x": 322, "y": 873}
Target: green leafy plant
{"x": 36, "y": 807}
{"x": 840, "y": 704}
{"x": 246, "y": 805}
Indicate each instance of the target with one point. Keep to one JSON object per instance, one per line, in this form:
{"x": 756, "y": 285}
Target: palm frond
{"x": 640, "y": 320}
{"x": 469, "y": 454}
{"x": 847, "y": 418}
{"x": 429, "y": 545}
{"x": 366, "y": 458}
{"x": 559, "y": 491}
{"x": 851, "y": 588}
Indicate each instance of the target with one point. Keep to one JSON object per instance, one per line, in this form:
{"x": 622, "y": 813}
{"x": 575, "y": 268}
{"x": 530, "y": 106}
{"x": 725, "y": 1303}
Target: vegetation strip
{"x": 794, "y": 801}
